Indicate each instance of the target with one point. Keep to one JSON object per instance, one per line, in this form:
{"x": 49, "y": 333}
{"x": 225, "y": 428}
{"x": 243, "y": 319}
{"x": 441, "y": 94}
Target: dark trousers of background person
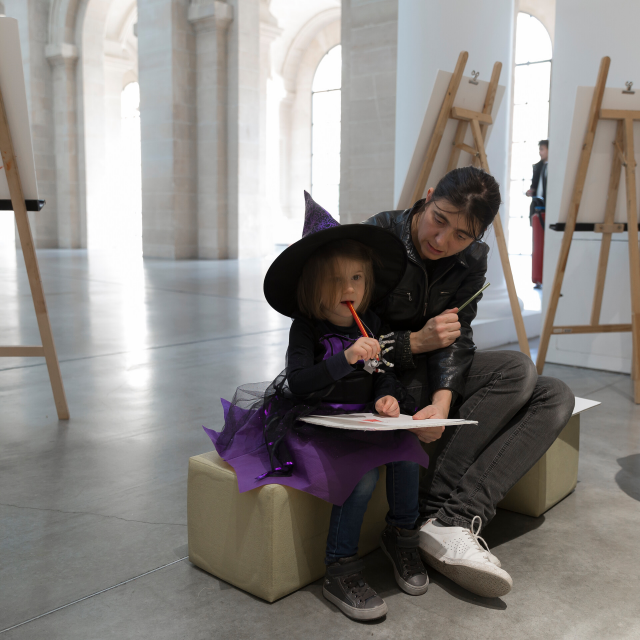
{"x": 519, "y": 414}
{"x": 537, "y": 254}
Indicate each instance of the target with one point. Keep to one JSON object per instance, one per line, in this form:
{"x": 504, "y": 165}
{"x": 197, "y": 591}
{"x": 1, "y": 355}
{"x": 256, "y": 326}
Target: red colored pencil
{"x": 363, "y": 331}
{"x": 358, "y": 321}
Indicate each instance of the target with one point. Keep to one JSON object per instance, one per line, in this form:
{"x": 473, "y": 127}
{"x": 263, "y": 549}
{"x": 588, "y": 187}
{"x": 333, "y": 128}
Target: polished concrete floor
{"x": 93, "y": 511}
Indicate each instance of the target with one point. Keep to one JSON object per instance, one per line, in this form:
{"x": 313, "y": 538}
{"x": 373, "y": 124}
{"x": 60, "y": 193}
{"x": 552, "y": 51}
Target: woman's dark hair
{"x": 474, "y": 193}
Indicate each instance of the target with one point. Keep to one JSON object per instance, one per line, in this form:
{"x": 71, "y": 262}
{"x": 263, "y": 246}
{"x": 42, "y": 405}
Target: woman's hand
{"x": 388, "y": 406}
{"x": 440, "y": 331}
{"x": 362, "y": 349}
{"x": 439, "y": 409}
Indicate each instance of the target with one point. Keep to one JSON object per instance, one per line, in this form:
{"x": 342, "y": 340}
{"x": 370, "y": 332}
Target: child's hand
{"x": 388, "y": 406}
{"x": 362, "y": 349}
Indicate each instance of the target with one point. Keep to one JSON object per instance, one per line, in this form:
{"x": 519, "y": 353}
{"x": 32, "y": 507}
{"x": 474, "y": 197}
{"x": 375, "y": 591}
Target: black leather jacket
{"x": 418, "y": 298}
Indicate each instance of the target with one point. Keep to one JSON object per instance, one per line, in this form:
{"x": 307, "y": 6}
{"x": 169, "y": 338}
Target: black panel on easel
{"x": 32, "y": 205}
{"x": 582, "y": 226}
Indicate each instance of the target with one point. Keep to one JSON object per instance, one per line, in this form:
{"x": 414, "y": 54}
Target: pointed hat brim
{"x": 281, "y": 281}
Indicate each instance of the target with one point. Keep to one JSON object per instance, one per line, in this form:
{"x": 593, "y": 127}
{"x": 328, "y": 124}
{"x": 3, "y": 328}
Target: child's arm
{"x": 303, "y": 374}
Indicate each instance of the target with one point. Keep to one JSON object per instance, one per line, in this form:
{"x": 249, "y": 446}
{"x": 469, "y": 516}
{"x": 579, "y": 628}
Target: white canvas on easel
{"x": 15, "y": 99}
{"x": 469, "y": 96}
{"x": 594, "y": 196}
{"x": 18, "y": 187}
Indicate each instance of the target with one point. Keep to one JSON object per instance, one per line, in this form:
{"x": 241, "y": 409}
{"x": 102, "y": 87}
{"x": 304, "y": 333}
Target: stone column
{"x": 269, "y": 31}
{"x": 167, "y": 77}
{"x": 71, "y": 230}
{"x": 210, "y": 19}
{"x": 245, "y": 221}
{"x": 369, "y": 54}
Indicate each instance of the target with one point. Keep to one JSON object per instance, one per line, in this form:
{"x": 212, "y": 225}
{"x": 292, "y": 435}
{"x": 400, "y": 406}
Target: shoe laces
{"x": 475, "y": 535}
{"x": 357, "y": 586}
{"x": 411, "y": 562}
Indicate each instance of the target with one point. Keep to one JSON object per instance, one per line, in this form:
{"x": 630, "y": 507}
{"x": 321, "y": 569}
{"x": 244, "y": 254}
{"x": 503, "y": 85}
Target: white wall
{"x": 431, "y": 35}
{"x": 585, "y": 31}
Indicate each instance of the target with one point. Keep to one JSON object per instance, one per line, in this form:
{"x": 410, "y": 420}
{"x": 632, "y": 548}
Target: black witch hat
{"x": 281, "y": 281}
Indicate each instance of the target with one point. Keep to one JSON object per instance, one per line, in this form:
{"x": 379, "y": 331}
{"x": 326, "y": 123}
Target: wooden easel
{"x": 48, "y": 349}
{"x": 479, "y": 122}
{"x": 624, "y": 156}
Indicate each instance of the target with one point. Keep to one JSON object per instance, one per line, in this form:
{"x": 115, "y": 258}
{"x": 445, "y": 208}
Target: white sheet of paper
{"x": 582, "y": 404}
{"x": 374, "y": 422}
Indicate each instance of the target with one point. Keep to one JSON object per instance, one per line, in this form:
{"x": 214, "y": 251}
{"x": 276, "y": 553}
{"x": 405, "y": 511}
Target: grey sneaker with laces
{"x": 401, "y": 547}
{"x": 345, "y": 587}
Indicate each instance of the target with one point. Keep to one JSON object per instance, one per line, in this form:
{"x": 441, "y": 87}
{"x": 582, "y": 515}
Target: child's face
{"x": 350, "y": 288}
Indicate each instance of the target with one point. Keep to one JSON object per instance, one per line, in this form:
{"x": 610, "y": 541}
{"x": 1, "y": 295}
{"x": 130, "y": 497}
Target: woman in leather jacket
{"x": 519, "y": 414}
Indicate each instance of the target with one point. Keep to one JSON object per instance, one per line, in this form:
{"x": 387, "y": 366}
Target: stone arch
{"x": 98, "y": 34}
{"x": 313, "y": 41}
{"x": 543, "y": 10}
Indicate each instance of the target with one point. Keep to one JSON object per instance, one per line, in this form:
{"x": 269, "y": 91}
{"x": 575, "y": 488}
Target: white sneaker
{"x": 456, "y": 552}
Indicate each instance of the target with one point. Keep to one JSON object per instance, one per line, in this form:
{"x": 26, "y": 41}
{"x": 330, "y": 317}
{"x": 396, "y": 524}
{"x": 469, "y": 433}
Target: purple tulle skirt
{"x": 328, "y": 463}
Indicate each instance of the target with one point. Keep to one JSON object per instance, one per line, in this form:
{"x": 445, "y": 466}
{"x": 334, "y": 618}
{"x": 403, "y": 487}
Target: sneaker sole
{"x": 403, "y": 584}
{"x": 482, "y": 583}
{"x": 352, "y": 612}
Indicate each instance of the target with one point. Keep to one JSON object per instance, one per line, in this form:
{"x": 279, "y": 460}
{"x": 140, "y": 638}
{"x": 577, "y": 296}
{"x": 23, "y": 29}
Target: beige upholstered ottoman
{"x": 269, "y": 541}
{"x": 553, "y": 477}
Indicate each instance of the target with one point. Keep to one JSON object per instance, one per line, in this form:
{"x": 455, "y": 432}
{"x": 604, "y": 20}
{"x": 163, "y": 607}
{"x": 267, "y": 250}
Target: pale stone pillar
{"x": 269, "y": 31}
{"x": 369, "y": 54}
{"x": 167, "y": 77}
{"x": 33, "y": 24}
{"x": 71, "y": 230}
{"x": 245, "y": 221}
{"x": 210, "y": 19}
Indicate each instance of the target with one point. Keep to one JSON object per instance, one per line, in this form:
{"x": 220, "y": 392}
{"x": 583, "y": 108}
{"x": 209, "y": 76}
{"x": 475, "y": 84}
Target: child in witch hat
{"x": 264, "y": 439}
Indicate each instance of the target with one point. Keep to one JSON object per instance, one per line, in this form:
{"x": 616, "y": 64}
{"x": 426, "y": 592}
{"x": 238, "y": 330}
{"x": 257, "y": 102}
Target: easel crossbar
{"x": 21, "y": 352}
{"x": 588, "y": 328}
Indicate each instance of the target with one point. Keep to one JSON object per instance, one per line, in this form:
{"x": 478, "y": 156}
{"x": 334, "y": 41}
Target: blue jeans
{"x": 346, "y": 521}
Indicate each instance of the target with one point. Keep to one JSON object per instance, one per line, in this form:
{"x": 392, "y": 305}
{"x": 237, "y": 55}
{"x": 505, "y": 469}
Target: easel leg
{"x": 42, "y": 315}
{"x": 634, "y": 256}
{"x": 609, "y": 216}
{"x": 572, "y": 215}
{"x": 441, "y": 124}
{"x": 461, "y": 132}
{"x": 31, "y": 263}
{"x": 521, "y": 332}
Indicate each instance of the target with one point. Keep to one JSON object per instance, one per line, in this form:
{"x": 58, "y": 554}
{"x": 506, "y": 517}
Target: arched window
{"x": 530, "y": 122}
{"x": 325, "y": 131}
{"x": 131, "y": 232}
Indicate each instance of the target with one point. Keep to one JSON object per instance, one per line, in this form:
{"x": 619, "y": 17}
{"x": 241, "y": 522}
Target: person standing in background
{"x": 538, "y": 194}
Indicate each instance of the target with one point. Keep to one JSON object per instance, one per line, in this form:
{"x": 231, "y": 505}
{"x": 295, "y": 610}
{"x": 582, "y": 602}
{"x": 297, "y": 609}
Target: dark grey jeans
{"x": 519, "y": 416}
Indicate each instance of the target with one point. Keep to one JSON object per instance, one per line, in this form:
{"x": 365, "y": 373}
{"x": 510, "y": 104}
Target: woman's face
{"x": 440, "y": 231}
